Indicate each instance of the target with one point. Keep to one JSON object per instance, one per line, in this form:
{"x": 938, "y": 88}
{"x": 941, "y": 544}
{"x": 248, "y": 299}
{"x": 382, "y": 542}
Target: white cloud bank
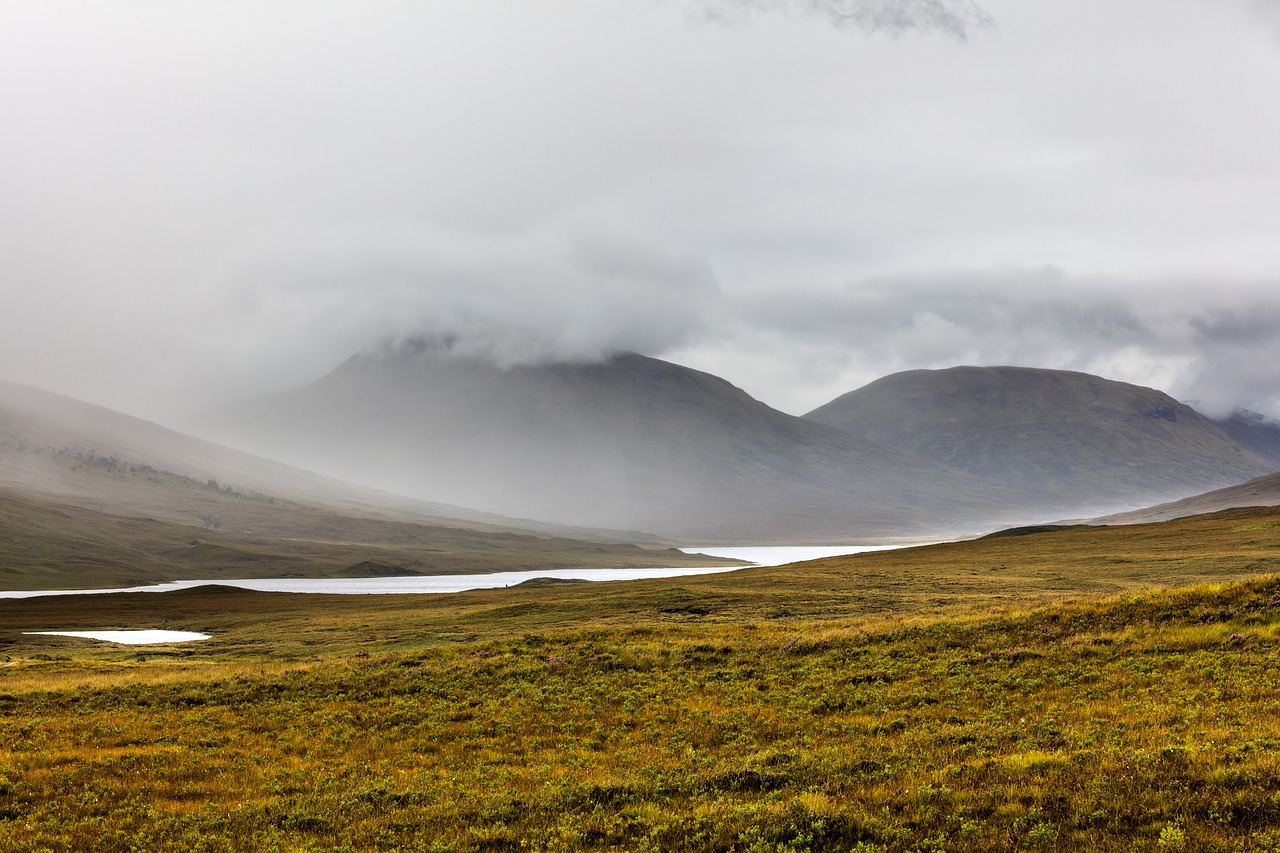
{"x": 954, "y": 18}
{"x": 1215, "y": 342}
{"x": 571, "y": 293}
{"x": 207, "y": 201}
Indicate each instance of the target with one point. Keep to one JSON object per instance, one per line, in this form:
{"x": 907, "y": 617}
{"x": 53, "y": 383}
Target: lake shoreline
{"x": 443, "y": 584}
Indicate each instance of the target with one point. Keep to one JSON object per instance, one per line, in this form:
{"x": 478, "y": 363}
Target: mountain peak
{"x": 1070, "y": 435}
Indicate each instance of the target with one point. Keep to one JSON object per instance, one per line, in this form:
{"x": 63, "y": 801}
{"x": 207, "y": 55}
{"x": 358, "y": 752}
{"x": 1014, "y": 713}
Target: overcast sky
{"x": 206, "y": 200}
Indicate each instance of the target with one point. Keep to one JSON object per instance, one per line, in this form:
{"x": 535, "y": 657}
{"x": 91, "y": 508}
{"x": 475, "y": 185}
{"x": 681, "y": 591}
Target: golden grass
{"x": 1073, "y": 690}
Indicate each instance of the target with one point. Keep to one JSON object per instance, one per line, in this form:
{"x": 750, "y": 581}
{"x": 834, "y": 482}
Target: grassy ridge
{"x": 937, "y": 714}
{"x": 993, "y": 575}
{"x": 57, "y": 544}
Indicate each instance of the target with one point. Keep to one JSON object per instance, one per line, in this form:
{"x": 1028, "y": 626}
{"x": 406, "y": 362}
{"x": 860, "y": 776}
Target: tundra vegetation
{"x": 1064, "y": 689}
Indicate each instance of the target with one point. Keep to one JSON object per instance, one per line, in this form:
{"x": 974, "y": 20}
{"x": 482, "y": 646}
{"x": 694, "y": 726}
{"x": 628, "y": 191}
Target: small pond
{"x": 129, "y": 638}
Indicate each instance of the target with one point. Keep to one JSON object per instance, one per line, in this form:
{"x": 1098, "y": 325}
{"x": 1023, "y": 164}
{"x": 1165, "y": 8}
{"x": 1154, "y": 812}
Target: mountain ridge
{"x": 634, "y": 441}
{"x": 1261, "y": 491}
{"x": 1062, "y": 439}
{"x": 51, "y": 443}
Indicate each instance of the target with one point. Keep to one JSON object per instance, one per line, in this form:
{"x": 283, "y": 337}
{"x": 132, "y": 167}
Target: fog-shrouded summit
{"x": 628, "y": 442}
{"x": 1061, "y": 439}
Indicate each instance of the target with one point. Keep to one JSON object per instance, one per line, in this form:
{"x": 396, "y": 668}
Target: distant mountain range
{"x": 465, "y": 466}
{"x": 631, "y": 442}
{"x": 638, "y": 443}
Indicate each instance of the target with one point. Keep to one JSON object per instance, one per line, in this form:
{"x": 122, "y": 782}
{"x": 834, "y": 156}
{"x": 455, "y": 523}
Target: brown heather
{"x": 1075, "y": 689}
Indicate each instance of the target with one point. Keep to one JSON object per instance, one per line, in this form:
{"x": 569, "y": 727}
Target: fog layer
{"x": 210, "y": 201}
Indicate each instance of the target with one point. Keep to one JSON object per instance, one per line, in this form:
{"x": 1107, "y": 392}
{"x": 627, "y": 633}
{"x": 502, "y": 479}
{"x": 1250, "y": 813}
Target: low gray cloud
{"x": 1269, "y": 12}
{"x": 250, "y": 218}
{"x": 1216, "y": 343}
{"x": 953, "y": 18}
{"x": 567, "y": 293}
{"x": 571, "y": 293}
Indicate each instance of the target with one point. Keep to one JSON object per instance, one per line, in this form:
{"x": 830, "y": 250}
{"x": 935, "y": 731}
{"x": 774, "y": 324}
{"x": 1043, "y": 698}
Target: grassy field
{"x": 1078, "y": 689}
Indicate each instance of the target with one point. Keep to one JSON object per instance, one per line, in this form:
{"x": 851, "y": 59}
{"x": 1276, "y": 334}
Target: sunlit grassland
{"x": 1062, "y": 691}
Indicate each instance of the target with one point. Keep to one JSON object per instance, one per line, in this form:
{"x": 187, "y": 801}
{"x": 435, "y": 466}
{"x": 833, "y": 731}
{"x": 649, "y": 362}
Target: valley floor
{"x": 1077, "y": 704}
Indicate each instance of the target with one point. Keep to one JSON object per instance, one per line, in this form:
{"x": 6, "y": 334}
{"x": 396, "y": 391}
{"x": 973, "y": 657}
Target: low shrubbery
{"x": 1150, "y": 722}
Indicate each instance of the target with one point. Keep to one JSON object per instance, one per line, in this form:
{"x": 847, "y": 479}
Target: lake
{"x": 762, "y": 556}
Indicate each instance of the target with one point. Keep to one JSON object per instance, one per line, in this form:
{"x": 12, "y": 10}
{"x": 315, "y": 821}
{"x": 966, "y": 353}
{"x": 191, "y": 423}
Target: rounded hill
{"x": 1059, "y": 438}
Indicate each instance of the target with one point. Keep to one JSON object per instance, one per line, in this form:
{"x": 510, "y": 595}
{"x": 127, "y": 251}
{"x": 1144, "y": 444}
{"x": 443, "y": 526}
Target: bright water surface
{"x": 129, "y": 638}
{"x": 763, "y": 556}
{"x": 778, "y": 555}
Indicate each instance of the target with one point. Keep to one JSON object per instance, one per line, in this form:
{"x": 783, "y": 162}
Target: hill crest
{"x": 1061, "y": 439}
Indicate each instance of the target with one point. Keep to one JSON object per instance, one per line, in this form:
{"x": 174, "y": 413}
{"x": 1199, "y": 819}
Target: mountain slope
{"x": 91, "y": 497}
{"x": 1262, "y": 491}
{"x": 1064, "y": 441}
{"x": 66, "y": 448}
{"x": 1256, "y": 432}
{"x": 632, "y": 442}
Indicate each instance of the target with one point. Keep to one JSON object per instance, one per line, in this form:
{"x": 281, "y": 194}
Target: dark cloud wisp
{"x": 1216, "y": 344}
{"x": 954, "y": 18}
